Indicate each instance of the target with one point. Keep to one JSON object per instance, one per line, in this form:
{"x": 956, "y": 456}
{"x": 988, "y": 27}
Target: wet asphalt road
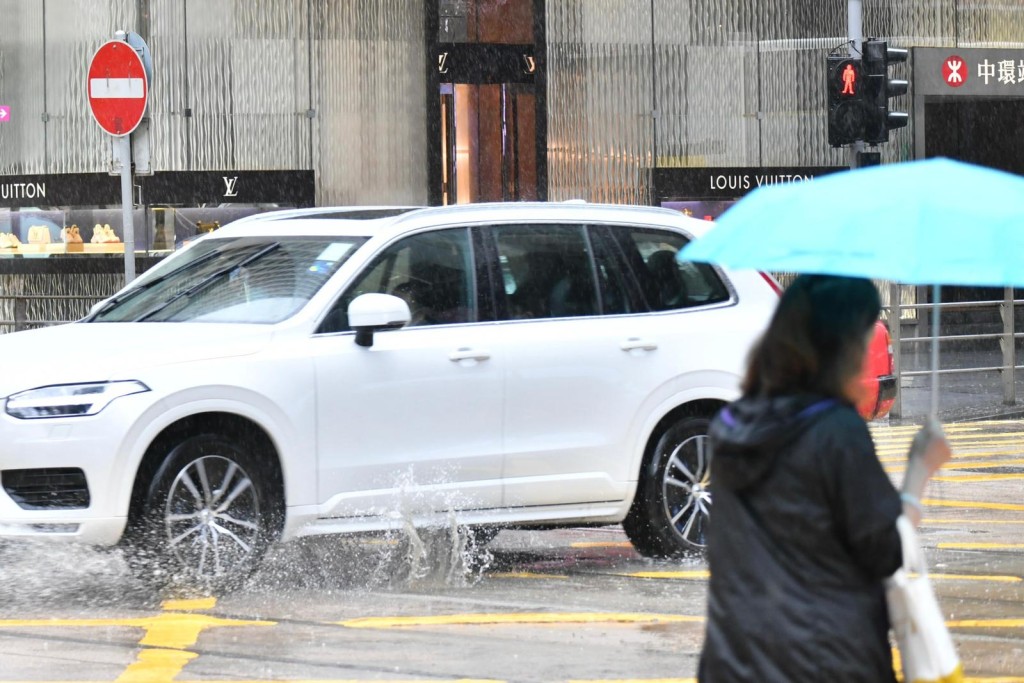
{"x": 565, "y": 605}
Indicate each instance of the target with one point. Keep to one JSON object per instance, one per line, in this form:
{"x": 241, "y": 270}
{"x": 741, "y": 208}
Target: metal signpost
{"x": 118, "y": 89}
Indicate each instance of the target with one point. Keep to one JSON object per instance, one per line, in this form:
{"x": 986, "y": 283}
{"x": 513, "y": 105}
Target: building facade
{"x": 262, "y": 103}
{"x": 340, "y": 87}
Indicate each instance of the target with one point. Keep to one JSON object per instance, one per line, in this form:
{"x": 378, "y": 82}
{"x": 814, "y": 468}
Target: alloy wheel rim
{"x": 212, "y": 517}
{"x": 686, "y": 490}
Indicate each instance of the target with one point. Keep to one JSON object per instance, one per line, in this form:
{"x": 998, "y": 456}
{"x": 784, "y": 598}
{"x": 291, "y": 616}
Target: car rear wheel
{"x": 206, "y": 518}
{"x": 672, "y": 507}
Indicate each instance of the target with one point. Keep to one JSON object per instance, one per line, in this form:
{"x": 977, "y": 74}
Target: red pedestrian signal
{"x": 847, "y": 111}
{"x": 849, "y": 80}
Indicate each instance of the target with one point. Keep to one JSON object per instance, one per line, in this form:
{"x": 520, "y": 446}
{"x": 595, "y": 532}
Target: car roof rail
{"x": 352, "y": 213}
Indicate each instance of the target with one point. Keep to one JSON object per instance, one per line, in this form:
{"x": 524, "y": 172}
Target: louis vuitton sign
{"x": 176, "y": 188}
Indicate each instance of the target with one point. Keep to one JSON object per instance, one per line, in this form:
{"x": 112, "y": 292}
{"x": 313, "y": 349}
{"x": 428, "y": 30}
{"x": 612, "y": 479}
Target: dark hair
{"x": 816, "y": 340}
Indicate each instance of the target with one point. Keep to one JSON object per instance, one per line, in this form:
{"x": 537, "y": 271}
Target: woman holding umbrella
{"x": 804, "y": 531}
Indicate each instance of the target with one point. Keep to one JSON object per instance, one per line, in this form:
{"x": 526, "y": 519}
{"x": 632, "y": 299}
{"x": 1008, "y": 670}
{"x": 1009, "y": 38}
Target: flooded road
{"x": 564, "y": 605}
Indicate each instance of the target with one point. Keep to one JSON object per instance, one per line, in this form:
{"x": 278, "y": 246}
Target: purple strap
{"x": 816, "y": 407}
{"x": 809, "y": 411}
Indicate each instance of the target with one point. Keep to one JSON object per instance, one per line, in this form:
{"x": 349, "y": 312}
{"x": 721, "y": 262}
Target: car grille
{"x": 51, "y": 488}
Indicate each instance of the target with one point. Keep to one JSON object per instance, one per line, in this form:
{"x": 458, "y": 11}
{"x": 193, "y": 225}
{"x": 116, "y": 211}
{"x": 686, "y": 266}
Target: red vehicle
{"x": 878, "y": 376}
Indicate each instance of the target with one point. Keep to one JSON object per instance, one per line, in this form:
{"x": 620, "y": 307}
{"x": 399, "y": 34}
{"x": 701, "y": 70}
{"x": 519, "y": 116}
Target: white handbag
{"x": 926, "y": 649}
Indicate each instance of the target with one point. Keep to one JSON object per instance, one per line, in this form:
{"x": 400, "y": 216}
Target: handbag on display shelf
{"x": 926, "y": 649}
{"x": 38, "y": 234}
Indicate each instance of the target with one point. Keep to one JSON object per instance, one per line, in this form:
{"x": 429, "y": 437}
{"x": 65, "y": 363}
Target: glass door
{"x": 488, "y": 127}
{"x": 488, "y": 142}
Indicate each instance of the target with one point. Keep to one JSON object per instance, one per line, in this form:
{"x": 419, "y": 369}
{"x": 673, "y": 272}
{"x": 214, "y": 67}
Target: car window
{"x": 547, "y": 271}
{"x": 613, "y": 278}
{"x": 666, "y": 283}
{"x": 234, "y": 280}
{"x": 432, "y": 271}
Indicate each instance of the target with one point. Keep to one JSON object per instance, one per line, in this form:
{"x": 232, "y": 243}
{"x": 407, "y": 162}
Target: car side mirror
{"x": 371, "y": 312}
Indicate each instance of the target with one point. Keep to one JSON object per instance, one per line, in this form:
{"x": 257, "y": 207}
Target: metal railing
{"x": 1007, "y": 342}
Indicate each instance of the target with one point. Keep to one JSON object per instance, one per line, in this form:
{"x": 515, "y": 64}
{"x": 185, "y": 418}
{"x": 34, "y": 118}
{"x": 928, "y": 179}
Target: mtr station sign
{"x": 968, "y": 72}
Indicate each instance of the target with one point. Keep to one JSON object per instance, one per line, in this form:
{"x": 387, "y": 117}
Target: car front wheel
{"x": 672, "y": 507}
{"x": 206, "y": 519}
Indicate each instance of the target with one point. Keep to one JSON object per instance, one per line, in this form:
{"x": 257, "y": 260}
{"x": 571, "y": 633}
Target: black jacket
{"x": 801, "y": 536}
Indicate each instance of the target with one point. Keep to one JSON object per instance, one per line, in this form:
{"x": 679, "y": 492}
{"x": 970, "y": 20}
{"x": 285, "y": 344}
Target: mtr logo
{"x": 954, "y": 71}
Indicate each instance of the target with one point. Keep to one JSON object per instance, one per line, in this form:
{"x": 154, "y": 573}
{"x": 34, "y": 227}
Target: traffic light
{"x": 847, "y": 111}
{"x": 879, "y": 88}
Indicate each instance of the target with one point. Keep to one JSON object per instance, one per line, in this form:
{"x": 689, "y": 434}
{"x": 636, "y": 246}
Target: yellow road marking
{"x": 979, "y": 546}
{"x": 165, "y": 639}
{"x": 998, "y": 578}
{"x": 986, "y": 623}
{"x": 973, "y": 464}
{"x": 977, "y": 477}
{"x": 901, "y": 456}
{"x": 172, "y": 630}
{"x": 1001, "y": 438}
{"x": 959, "y": 521}
{"x": 156, "y": 665}
{"x": 981, "y": 505}
{"x": 966, "y": 440}
{"x": 518, "y": 618}
{"x": 694, "y": 574}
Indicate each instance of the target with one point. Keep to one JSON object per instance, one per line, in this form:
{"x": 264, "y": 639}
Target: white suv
{"x": 327, "y": 371}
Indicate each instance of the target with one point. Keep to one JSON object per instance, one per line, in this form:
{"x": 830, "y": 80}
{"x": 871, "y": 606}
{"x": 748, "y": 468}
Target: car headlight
{"x": 69, "y": 400}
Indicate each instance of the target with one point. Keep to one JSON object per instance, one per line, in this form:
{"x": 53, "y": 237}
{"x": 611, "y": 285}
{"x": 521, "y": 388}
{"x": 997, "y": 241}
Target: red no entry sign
{"x": 117, "y": 88}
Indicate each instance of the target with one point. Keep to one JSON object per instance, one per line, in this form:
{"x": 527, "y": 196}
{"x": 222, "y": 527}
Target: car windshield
{"x": 232, "y": 280}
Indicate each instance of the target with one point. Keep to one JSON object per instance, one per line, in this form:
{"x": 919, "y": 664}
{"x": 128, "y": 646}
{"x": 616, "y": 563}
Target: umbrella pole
{"x": 935, "y": 353}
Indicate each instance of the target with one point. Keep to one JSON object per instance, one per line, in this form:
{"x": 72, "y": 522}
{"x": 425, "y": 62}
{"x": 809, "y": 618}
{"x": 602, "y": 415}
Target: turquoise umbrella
{"x": 933, "y": 222}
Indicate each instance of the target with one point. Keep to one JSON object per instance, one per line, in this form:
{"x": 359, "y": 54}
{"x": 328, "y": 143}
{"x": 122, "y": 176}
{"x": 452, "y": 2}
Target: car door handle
{"x": 466, "y": 353}
{"x": 635, "y": 343}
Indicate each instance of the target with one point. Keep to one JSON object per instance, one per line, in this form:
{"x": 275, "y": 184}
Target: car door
{"x": 413, "y": 423}
{"x": 576, "y": 371}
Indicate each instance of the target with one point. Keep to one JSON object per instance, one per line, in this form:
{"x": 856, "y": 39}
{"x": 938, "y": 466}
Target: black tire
{"x": 206, "y": 519}
{"x": 672, "y": 507}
